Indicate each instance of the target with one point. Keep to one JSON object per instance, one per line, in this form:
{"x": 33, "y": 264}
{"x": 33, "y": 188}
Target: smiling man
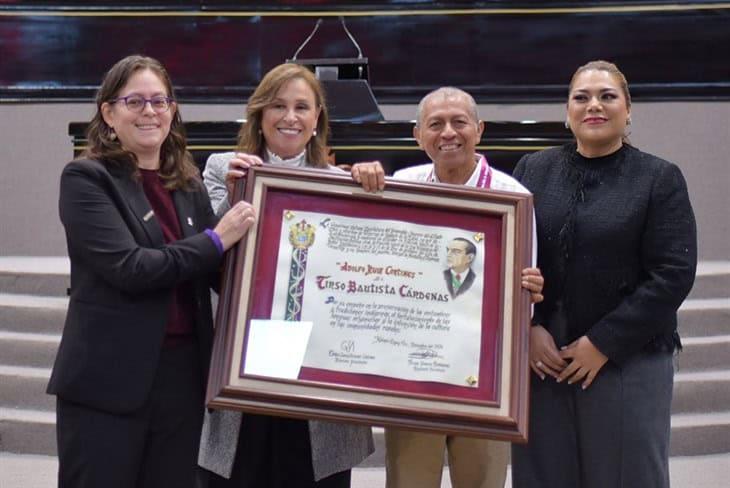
{"x": 448, "y": 129}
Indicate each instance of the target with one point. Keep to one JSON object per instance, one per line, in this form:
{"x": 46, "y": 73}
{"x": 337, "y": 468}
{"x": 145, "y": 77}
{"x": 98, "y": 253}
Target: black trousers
{"x": 615, "y": 434}
{"x": 156, "y": 446}
{"x": 275, "y": 452}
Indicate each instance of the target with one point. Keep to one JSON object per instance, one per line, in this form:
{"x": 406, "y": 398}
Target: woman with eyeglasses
{"x": 145, "y": 247}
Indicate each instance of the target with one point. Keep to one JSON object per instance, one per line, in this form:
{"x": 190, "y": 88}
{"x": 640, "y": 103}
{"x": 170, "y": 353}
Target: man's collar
{"x": 462, "y": 273}
{"x": 473, "y": 179}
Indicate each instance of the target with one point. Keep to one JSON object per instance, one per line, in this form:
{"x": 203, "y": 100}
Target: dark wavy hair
{"x": 177, "y": 167}
{"x": 250, "y": 138}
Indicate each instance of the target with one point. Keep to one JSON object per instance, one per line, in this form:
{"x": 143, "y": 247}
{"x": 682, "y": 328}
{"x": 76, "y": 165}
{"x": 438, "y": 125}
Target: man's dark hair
{"x": 470, "y": 247}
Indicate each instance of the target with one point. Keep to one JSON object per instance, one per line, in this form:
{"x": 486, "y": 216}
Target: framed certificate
{"x": 402, "y": 308}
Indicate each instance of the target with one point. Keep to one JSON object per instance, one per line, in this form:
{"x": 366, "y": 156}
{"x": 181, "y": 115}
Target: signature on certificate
{"x": 423, "y": 354}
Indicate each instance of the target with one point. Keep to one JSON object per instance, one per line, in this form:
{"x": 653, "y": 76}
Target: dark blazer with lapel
{"x": 465, "y": 284}
{"x": 122, "y": 278}
{"x": 617, "y": 245}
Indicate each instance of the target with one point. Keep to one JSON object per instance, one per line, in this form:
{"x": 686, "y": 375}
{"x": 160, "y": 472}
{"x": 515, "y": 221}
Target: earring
{"x": 112, "y": 134}
{"x": 314, "y": 133}
{"x": 567, "y": 125}
{"x": 260, "y": 132}
{"x": 628, "y": 121}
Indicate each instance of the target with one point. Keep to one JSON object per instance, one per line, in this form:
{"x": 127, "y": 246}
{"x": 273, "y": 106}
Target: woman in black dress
{"x": 617, "y": 247}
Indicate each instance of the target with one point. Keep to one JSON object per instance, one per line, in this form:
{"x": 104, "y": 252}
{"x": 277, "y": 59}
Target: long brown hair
{"x": 177, "y": 167}
{"x": 250, "y": 137}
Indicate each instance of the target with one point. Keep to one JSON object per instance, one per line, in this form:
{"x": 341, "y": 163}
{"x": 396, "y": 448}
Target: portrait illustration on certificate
{"x": 460, "y": 254}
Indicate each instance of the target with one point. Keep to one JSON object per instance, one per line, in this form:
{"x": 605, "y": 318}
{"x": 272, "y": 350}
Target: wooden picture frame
{"x": 494, "y": 406}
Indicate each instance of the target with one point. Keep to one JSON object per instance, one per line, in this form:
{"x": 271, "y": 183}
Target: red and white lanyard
{"x": 485, "y": 174}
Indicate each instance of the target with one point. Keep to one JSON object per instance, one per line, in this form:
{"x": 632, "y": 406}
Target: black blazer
{"x": 122, "y": 279}
{"x": 617, "y": 246}
{"x": 465, "y": 283}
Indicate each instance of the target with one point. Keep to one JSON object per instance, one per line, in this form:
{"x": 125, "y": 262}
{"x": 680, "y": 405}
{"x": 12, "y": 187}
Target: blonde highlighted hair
{"x": 250, "y": 137}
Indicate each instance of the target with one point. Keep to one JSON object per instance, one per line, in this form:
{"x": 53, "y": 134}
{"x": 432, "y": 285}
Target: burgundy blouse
{"x": 179, "y": 326}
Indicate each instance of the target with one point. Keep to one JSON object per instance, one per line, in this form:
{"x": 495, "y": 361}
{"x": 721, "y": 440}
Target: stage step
{"x": 47, "y": 276}
{"x": 33, "y": 307}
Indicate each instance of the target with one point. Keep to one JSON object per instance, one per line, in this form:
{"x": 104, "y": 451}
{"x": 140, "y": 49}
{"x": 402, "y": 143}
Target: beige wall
{"x": 34, "y": 146}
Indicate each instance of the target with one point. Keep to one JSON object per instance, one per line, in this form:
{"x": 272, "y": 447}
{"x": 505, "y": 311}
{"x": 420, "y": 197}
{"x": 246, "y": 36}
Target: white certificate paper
{"x": 385, "y": 297}
{"x": 276, "y": 348}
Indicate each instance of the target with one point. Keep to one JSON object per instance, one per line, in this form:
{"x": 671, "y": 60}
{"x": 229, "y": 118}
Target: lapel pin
{"x": 190, "y": 221}
{"x": 148, "y": 215}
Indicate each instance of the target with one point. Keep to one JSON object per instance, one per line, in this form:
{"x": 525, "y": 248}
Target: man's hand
{"x": 533, "y": 282}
